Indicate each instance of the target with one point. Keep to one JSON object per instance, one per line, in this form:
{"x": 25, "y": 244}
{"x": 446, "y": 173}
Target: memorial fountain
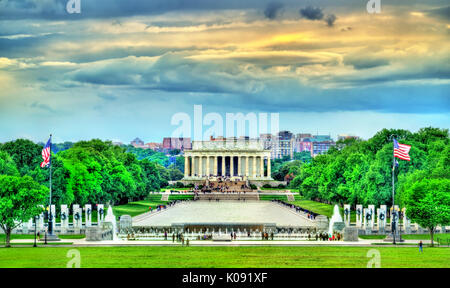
{"x": 336, "y": 222}
{"x": 110, "y": 218}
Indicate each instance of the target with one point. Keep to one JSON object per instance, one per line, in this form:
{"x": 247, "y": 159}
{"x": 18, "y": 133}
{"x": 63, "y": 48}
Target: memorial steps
{"x": 248, "y": 196}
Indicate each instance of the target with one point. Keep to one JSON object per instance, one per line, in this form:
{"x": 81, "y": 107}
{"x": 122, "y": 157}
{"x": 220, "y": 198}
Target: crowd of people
{"x": 222, "y": 184}
{"x": 311, "y": 215}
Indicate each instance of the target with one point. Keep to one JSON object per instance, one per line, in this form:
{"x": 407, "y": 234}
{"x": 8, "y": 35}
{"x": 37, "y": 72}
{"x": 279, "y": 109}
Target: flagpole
{"x": 50, "y": 222}
{"x": 393, "y": 191}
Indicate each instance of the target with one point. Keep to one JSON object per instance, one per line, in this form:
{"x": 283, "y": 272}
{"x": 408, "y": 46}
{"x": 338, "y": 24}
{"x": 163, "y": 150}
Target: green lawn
{"x": 136, "y": 208}
{"x": 371, "y": 237}
{"x": 173, "y": 197}
{"x": 222, "y": 257}
{"x": 272, "y": 197}
{"x": 441, "y": 238}
{"x": 320, "y": 208}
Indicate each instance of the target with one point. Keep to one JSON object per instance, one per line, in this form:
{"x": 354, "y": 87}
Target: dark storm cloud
{"x": 273, "y": 9}
{"x": 365, "y": 62}
{"x": 330, "y": 19}
{"x": 441, "y": 13}
{"x": 56, "y": 9}
{"x": 311, "y": 13}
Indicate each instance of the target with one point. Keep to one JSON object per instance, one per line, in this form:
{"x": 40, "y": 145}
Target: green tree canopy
{"x": 19, "y": 200}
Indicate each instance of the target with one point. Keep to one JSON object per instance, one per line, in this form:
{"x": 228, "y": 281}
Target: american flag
{"x": 46, "y": 153}
{"x": 401, "y": 151}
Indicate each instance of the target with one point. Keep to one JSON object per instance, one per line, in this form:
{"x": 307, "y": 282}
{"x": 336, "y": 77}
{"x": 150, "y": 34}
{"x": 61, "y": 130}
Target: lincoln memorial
{"x": 245, "y": 159}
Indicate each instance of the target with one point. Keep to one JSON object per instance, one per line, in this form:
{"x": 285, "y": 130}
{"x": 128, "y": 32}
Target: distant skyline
{"x": 121, "y": 69}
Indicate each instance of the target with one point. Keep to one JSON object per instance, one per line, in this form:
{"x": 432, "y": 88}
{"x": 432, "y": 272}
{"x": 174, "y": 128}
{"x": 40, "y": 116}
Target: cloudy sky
{"x": 123, "y": 68}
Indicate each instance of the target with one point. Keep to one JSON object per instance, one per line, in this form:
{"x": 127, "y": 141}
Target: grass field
{"x": 320, "y": 208}
{"x": 136, "y": 208}
{"x": 272, "y": 197}
{"x": 221, "y": 257}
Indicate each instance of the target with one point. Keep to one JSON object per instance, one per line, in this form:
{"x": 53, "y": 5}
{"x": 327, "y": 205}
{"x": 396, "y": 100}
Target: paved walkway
{"x": 224, "y": 212}
{"x": 84, "y": 243}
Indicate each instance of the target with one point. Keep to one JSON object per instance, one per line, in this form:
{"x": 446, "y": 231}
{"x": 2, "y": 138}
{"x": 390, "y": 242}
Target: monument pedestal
{"x": 390, "y": 238}
{"x": 50, "y": 238}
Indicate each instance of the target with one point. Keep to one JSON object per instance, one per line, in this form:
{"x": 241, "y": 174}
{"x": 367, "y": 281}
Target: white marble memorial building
{"x": 232, "y": 158}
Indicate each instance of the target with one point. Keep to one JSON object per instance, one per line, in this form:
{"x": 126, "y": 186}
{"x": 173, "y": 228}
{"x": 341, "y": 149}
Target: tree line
{"x": 88, "y": 171}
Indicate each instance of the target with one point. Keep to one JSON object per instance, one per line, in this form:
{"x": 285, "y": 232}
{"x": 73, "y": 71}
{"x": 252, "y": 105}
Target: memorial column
{"x": 261, "y": 167}
{"x": 223, "y": 165}
{"x": 215, "y": 165}
{"x": 269, "y": 167}
{"x": 239, "y": 166}
{"x": 254, "y": 167}
{"x": 246, "y": 166}
{"x": 207, "y": 166}
{"x": 232, "y": 165}
{"x": 186, "y": 166}
{"x": 200, "y": 164}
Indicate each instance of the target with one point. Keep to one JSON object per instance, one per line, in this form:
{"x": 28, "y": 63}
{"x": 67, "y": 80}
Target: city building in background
{"x": 137, "y": 143}
{"x": 346, "y": 136}
{"x": 177, "y": 143}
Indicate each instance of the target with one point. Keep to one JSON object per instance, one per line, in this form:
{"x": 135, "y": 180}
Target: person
{"x": 39, "y": 236}
{"x": 420, "y": 246}
{"x": 165, "y": 235}
{"x": 317, "y": 237}
{"x": 187, "y": 242}
{"x": 182, "y": 240}
{"x": 234, "y": 235}
{"x": 271, "y": 236}
{"x": 173, "y": 237}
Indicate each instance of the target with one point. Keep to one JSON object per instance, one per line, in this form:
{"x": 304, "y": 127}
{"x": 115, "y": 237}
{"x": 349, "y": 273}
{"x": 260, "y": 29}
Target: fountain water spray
{"x": 112, "y": 219}
{"x": 336, "y": 218}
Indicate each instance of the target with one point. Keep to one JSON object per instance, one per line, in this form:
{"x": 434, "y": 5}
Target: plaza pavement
{"x": 84, "y": 243}
{"x": 225, "y": 212}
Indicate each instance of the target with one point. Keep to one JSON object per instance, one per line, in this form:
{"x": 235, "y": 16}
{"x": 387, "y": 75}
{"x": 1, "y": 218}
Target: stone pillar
{"x": 382, "y": 218}
{"x": 186, "y": 166}
{"x": 407, "y": 223}
{"x": 246, "y": 167}
{"x": 29, "y": 225}
{"x": 239, "y": 166}
{"x": 232, "y": 165}
{"x": 223, "y": 166}
{"x": 77, "y": 218}
{"x": 64, "y": 218}
{"x": 261, "y": 167}
{"x": 88, "y": 215}
{"x": 347, "y": 211}
{"x": 364, "y": 218}
{"x": 200, "y": 166}
{"x": 372, "y": 215}
{"x": 40, "y": 220}
{"x": 100, "y": 214}
{"x": 207, "y": 166}
{"x": 53, "y": 213}
{"x": 359, "y": 215}
{"x": 269, "y": 167}
{"x": 215, "y": 165}
{"x": 254, "y": 167}
{"x": 394, "y": 209}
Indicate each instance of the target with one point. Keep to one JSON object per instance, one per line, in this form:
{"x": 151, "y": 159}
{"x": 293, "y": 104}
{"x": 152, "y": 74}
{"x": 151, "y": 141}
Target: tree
{"x": 25, "y": 153}
{"x": 19, "y": 200}
{"x": 7, "y": 165}
{"x": 428, "y": 203}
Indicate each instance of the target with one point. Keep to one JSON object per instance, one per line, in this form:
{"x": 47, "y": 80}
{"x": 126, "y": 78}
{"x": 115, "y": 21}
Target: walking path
{"x": 84, "y": 243}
